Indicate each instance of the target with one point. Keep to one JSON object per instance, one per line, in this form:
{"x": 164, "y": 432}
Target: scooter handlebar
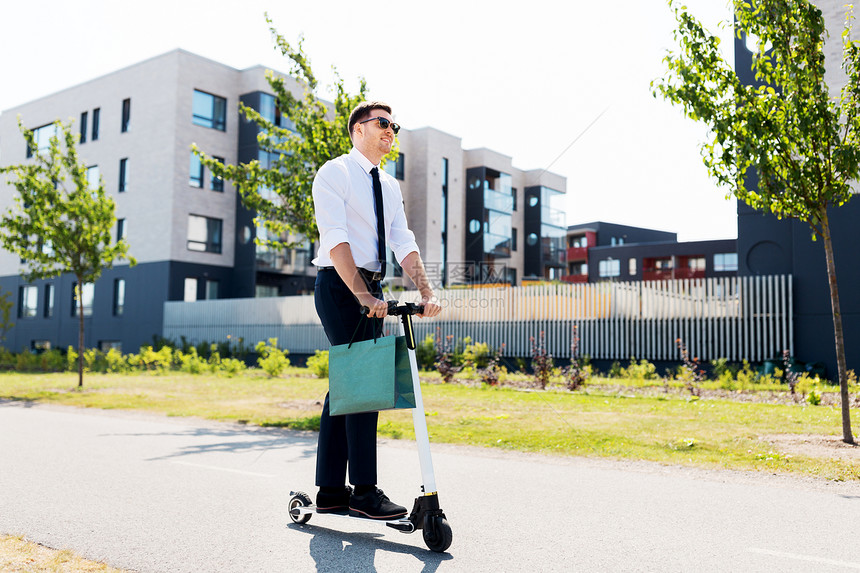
{"x": 407, "y": 308}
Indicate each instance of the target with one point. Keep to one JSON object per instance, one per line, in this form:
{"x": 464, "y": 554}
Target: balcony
{"x": 575, "y": 254}
{"x": 554, "y": 217}
{"x": 498, "y": 201}
{"x": 497, "y": 245}
{"x": 575, "y": 279}
{"x": 554, "y": 257}
{"x": 669, "y": 274}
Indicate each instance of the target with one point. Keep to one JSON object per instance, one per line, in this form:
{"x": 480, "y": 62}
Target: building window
{"x": 609, "y": 268}
{"x": 28, "y": 299}
{"x": 108, "y": 345}
{"x": 195, "y": 178}
{"x": 396, "y": 168}
{"x": 118, "y": 296}
{"x": 49, "y": 301}
{"x": 215, "y": 182}
{"x": 209, "y": 111}
{"x": 83, "y": 138}
{"x": 126, "y": 114}
{"x": 42, "y": 138}
{"x": 87, "y": 294}
{"x": 96, "y": 114}
{"x": 121, "y": 229}
{"x": 190, "y": 293}
{"x": 123, "y": 175}
{"x": 724, "y": 262}
{"x": 93, "y": 177}
{"x": 696, "y": 263}
{"x": 265, "y": 291}
{"x": 211, "y": 289}
{"x": 631, "y": 267}
{"x": 204, "y": 234}
{"x": 270, "y": 111}
{"x": 39, "y": 346}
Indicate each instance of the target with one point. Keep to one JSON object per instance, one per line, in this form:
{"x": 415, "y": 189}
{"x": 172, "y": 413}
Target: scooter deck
{"x": 403, "y": 524}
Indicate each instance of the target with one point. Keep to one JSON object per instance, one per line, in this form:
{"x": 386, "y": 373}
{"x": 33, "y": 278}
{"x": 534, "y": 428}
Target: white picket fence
{"x": 734, "y": 318}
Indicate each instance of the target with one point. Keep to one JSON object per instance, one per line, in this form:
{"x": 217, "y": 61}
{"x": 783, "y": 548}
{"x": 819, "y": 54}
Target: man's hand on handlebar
{"x": 430, "y": 309}
{"x": 376, "y": 308}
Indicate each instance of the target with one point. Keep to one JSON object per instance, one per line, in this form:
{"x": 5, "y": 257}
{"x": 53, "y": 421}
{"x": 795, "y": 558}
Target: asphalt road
{"x": 151, "y": 493}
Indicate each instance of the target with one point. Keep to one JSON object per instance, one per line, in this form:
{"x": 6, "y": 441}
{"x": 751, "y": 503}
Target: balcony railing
{"x": 498, "y": 201}
{"x": 577, "y": 254}
{"x": 498, "y": 245}
{"x": 554, "y": 217}
{"x": 669, "y": 274}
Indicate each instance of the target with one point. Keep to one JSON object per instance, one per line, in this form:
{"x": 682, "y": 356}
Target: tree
{"x": 60, "y": 222}
{"x": 803, "y": 145}
{"x": 280, "y": 192}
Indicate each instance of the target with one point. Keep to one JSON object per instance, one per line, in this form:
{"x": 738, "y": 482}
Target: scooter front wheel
{"x": 437, "y": 533}
{"x": 299, "y": 499}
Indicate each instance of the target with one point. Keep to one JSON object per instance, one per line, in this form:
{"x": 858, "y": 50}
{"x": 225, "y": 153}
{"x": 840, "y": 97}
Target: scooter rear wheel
{"x": 300, "y": 499}
{"x": 437, "y": 533}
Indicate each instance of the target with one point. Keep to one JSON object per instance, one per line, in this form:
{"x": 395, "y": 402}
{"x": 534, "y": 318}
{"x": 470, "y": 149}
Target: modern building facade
{"x": 192, "y": 237}
{"x": 767, "y": 245}
{"x": 601, "y": 251}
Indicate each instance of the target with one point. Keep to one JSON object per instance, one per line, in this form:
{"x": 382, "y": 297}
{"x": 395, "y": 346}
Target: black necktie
{"x": 380, "y": 219}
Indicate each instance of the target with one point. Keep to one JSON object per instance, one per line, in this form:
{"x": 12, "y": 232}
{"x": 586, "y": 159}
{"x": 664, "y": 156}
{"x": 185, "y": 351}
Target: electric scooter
{"x": 426, "y": 514}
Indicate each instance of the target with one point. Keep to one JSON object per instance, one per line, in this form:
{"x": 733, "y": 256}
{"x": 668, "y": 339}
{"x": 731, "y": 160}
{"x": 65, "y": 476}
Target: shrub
{"x": 575, "y": 374}
{"x": 445, "y": 357}
{"x": 642, "y": 370}
{"x": 232, "y": 366}
{"x": 272, "y": 359}
{"x": 616, "y": 371}
{"x": 693, "y": 374}
{"x": 318, "y": 363}
{"x": 490, "y": 373}
{"x": 425, "y": 352}
{"x": 191, "y": 362}
{"x": 541, "y": 361}
{"x": 477, "y": 355}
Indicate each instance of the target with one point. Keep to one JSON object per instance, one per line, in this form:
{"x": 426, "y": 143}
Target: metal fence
{"x": 735, "y": 318}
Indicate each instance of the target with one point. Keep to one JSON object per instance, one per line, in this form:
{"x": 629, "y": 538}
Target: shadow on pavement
{"x": 253, "y": 439}
{"x": 334, "y": 550}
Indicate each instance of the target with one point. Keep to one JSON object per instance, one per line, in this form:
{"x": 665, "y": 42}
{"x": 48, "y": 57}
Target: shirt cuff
{"x": 402, "y": 250}
{"x": 331, "y": 239}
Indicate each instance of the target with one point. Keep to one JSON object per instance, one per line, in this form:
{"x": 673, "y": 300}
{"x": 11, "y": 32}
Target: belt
{"x": 368, "y": 275}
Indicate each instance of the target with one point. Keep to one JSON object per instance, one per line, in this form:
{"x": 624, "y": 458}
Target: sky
{"x": 563, "y": 86}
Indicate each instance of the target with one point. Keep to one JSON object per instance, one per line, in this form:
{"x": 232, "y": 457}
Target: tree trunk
{"x": 79, "y": 291}
{"x": 847, "y": 436}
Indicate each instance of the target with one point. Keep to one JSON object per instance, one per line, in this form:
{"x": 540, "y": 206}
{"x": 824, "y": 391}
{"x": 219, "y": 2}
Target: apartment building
{"x": 600, "y": 251}
{"x": 475, "y": 216}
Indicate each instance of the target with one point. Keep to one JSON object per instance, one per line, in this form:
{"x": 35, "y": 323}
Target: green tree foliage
{"x": 6, "y": 323}
{"x": 59, "y": 223}
{"x": 803, "y": 144}
{"x": 280, "y": 193}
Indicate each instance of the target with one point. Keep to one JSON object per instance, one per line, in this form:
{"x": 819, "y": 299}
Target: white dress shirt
{"x": 346, "y": 213}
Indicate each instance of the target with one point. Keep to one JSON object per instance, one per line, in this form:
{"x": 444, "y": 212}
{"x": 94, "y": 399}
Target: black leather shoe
{"x": 375, "y": 505}
{"x": 334, "y": 502}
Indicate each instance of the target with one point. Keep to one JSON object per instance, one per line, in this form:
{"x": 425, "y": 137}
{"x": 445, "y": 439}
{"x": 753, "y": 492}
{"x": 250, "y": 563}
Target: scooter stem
{"x": 422, "y": 438}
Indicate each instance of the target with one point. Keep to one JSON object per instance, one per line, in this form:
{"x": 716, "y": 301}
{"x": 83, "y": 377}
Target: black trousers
{"x": 348, "y": 440}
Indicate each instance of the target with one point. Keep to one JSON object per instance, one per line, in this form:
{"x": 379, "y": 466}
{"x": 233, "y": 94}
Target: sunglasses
{"x": 384, "y": 123}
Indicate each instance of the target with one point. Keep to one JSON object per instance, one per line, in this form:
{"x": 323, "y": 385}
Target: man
{"x": 351, "y": 264}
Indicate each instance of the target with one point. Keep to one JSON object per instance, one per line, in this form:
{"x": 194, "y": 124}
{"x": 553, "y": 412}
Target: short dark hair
{"x": 362, "y": 111}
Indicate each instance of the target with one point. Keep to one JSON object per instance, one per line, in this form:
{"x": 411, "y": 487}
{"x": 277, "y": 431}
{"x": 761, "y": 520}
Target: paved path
{"x": 152, "y": 493}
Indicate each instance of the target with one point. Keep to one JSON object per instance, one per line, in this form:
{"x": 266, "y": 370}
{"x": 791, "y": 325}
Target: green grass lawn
{"x": 672, "y": 429}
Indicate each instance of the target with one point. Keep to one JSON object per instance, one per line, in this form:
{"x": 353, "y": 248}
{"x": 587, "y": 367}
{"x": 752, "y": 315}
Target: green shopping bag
{"x": 369, "y": 376}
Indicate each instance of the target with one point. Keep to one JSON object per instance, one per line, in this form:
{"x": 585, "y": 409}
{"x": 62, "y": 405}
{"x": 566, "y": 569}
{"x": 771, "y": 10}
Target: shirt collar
{"x": 363, "y": 161}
